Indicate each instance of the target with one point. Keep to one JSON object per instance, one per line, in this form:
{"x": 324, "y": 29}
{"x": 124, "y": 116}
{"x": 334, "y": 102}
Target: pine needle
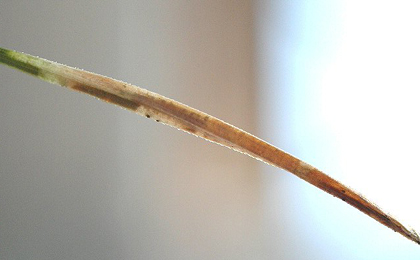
{"x": 190, "y": 120}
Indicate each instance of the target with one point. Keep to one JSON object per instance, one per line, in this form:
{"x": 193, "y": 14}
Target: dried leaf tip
{"x": 175, "y": 114}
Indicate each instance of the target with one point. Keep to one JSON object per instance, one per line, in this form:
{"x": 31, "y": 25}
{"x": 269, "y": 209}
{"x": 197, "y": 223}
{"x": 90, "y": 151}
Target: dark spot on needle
{"x": 148, "y": 116}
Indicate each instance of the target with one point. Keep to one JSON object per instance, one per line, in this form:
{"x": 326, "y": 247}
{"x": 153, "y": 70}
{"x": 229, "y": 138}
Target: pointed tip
{"x": 414, "y": 236}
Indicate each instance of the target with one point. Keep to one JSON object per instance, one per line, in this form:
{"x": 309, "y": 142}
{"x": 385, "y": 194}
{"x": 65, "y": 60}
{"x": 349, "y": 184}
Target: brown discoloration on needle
{"x": 338, "y": 190}
{"x": 111, "y": 98}
{"x": 178, "y": 115}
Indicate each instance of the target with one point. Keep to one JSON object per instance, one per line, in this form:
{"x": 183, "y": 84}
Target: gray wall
{"x": 81, "y": 179}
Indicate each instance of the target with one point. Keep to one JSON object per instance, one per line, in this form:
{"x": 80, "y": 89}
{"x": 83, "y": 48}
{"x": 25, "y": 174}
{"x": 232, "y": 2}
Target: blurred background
{"x": 332, "y": 82}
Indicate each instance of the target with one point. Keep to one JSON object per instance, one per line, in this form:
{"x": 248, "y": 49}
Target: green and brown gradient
{"x": 175, "y": 114}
